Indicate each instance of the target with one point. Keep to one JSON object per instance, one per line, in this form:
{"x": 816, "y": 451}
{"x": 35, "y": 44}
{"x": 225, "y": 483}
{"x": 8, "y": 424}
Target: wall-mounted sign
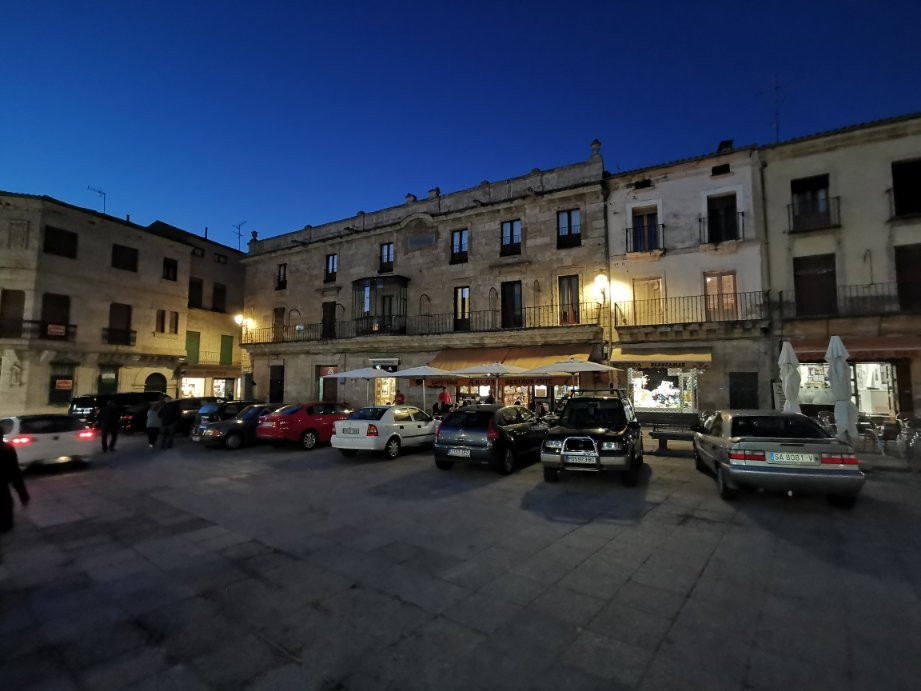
{"x": 56, "y": 329}
{"x": 63, "y": 384}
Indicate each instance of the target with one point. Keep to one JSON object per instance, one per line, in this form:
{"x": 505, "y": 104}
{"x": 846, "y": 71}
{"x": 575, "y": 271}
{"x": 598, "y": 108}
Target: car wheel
{"x": 392, "y": 450}
{"x": 233, "y": 441}
{"x": 632, "y": 474}
{"x": 506, "y": 464}
{"x": 551, "y": 474}
{"x": 348, "y": 453}
{"x": 443, "y": 465}
{"x": 726, "y": 492}
{"x": 843, "y": 501}
{"x": 309, "y": 439}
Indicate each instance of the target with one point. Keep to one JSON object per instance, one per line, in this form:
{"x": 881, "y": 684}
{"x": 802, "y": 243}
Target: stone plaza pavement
{"x": 274, "y": 568}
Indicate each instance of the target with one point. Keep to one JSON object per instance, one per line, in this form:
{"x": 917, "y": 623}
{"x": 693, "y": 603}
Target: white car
{"x": 48, "y": 438}
{"x": 383, "y": 428}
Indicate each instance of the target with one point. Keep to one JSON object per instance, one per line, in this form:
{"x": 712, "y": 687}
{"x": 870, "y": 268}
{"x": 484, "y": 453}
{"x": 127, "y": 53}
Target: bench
{"x": 667, "y": 426}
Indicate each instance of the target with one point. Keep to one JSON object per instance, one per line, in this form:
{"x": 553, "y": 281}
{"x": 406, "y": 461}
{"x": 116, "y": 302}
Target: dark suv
{"x": 595, "y": 431}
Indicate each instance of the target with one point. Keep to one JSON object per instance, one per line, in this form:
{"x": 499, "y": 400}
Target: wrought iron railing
{"x": 544, "y": 316}
{"x": 118, "y": 336}
{"x": 38, "y": 330}
{"x": 572, "y": 238}
{"x": 814, "y": 214}
{"x": 692, "y": 309}
{"x": 854, "y": 301}
{"x": 720, "y": 227}
{"x": 206, "y": 357}
{"x": 645, "y": 238}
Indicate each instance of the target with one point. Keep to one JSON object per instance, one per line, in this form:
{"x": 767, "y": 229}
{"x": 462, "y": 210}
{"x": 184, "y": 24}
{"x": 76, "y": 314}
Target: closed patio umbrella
{"x": 789, "y": 378}
{"x": 422, "y": 372}
{"x": 839, "y": 379}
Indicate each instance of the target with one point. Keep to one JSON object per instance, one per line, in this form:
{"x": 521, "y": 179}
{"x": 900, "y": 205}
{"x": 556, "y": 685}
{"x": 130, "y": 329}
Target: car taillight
{"x": 372, "y": 431}
{"x": 839, "y": 458}
{"x": 86, "y": 434}
{"x": 745, "y": 455}
{"x": 22, "y": 440}
{"x": 491, "y": 432}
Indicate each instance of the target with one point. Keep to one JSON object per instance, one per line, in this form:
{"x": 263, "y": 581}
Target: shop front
{"x": 200, "y": 380}
{"x": 662, "y": 381}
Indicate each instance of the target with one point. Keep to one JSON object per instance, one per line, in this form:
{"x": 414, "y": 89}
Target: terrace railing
{"x": 692, "y": 309}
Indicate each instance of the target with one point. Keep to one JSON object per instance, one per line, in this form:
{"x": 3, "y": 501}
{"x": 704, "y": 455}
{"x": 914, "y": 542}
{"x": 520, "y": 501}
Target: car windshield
{"x": 777, "y": 426}
{"x": 208, "y": 408}
{"x": 468, "y": 419}
{"x": 49, "y": 424}
{"x": 593, "y": 413}
{"x": 249, "y": 412}
{"x": 368, "y": 414}
{"x": 288, "y": 410}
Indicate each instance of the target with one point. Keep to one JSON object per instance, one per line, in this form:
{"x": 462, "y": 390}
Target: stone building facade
{"x": 91, "y": 303}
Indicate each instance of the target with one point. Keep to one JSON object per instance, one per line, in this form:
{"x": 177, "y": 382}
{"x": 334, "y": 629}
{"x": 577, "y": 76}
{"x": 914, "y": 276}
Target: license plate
{"x": 791, "y": 457}
{"x": 350, "y": 430}
{"x": 465, "y": 453}
{"x": 588, "y": 460}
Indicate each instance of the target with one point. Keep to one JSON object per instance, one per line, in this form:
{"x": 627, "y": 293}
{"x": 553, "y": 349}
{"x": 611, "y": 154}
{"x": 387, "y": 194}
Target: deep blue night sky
{"x": 284, "y": 113}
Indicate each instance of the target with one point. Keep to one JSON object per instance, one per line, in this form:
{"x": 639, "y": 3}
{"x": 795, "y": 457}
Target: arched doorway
{"x": 155, "y": 382}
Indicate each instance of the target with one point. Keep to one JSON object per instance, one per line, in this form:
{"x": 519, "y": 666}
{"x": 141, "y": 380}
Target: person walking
{"x": 109, "y": 422}
{"x": 9, "y": 475}
{"x": 169, "y": 418}
{"x": 444, "y": 400}
{"x": 399, "y": 399}
{"x": 153, "y": 424}
{"x": 489, "y": 399}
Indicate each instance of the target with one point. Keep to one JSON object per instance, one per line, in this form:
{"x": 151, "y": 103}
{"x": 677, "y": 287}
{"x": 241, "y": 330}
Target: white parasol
{"x": 492, "y": 369}
{"x": 366, "y": 373}
{"x": 839, "y": 379}
{"x": 789, "y": 377}
{"x": 422, "y": 372}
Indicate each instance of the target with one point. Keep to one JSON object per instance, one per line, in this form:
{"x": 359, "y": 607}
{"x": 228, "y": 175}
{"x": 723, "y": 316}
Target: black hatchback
{"x": 488, "y": 434}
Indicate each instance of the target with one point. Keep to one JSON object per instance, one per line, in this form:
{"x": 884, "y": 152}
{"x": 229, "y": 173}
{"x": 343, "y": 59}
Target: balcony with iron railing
{"x": 645, "y": 238}
{"x": 569, "y": 236}
{"x": 207, "y": 357}
{"x": 37, "y": 330}
{"x": 722, "y": 227}
{"x": 869, "y": 300}
{"x": 692, "y": 309}
{"x": 118, "y": 336}
{"x": 540, "y": 317}
{"x": 813, "y": 214}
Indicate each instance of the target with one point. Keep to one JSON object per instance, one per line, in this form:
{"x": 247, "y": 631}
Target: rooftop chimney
{"x": 206, "y": 232}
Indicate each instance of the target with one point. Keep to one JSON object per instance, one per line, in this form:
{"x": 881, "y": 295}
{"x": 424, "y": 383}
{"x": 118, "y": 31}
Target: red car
{"x": 307, "y": 423}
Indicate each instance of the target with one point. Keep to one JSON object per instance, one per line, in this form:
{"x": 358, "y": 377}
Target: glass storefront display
{"x": 191, "y": 386}
{"x": 665, "y": 389}
{"x": 385, "y": 389}
{"x": 873, "y": 386}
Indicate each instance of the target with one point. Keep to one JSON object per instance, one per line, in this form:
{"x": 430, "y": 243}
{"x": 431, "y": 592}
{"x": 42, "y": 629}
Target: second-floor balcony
{"x": 118, "y": 336}
{"x": 206, "y": 357}
{"x": 645, "y": 238}
{"x": 37, "y": 330}
{"x": 539, "y": 317}
{"x": 814, "y": 214}
{"x": 722, "y": 226}
{"x": 692, "y": 309}
{"x": 869, "y": 300}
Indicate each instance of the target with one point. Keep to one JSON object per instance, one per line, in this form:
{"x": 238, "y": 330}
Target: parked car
{"x": 188, "y": 411}
{"x": 383, "y": 428}
{"x": 595, "y": 432}
{"x": 498, "y": 435}
{"x": 909, "y": 439}
{"x": 214, "y": 411}
{"x": 306, "y": 423}
{"x": 41, "y": 439}
{"x": 777, "y": 451}
{"x": 235, "y": 432}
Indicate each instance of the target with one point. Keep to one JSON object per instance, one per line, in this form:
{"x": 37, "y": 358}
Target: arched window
{"x": 155, "y": 382}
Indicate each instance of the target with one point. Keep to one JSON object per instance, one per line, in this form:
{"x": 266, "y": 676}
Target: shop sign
{"x": 324, "y": 371}
{"x": 64, "y": 384}
{"x": 56, "y": 329}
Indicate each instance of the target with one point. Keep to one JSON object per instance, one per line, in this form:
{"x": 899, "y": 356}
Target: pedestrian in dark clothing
{"x": 153, "y": 424}
{"x": 169, "y": 418}
{"x": 109, "y": 422}
{"x": 9, "y": 475}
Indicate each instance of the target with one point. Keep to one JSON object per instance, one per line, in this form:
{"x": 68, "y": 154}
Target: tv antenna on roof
{"x": 101, "y": 194}
{"x": 238, "y": 232}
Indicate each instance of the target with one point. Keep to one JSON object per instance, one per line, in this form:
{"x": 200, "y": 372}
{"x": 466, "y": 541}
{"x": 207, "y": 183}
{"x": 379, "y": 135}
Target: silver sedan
{"x": 776, "y": 451}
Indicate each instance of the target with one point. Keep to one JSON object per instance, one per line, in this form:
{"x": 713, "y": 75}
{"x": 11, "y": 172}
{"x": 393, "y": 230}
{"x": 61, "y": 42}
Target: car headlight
{"x": 211, "y": 433}
{"x": 612, "y": 446}
{"x": 553, "y": 444}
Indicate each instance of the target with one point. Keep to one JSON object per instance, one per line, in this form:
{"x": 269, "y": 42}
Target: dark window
{"x": 61, "y": 242}
{"x": 815, "y": 285}
{"x": 459, "y": 246}
{"x": 174, "y": 322}
{"x": 161, "y": 321}
{"x": 167, "y": 322}
{"x": 12, "y": 309}
{"x": 568, "y": 228}
{"x": 386, "y": 257}
{"x": 778, "y": 426}
{"x": 332, "y": 268}
{"x": 810, "y": 207}
{"x": 198, "y": 252}
{"x": 278, "y": 324}
{"x": 61, "y": 388}
{"x": 125, "y": 258}
{"x": 219, "y": 298}
{"x": 722, "y": 218}
{"x": 276, "y": 383}
{"x": 908, "y": 276}
{"x": 569, "y": 299}
{"x": 55, "y": 310}
{"x": 511, "y": 238}
{"x": 642, "y": 184}
{"x": 170, "y": 269}
{"x": 512, "y": 316}
{"x": 462, "y": 308}
{"x": 743, "y": 390}
{"x": 196, "y": 291}
{"x": 220, "y": 258}
{"x": 906, "y": 188}
{"x": 281, "y": 277}
{"x": 721, "y": 169}
{"x": 328, "y": 327}
{"x": 119, "y": 331}
{"x": 644, "y": 236}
